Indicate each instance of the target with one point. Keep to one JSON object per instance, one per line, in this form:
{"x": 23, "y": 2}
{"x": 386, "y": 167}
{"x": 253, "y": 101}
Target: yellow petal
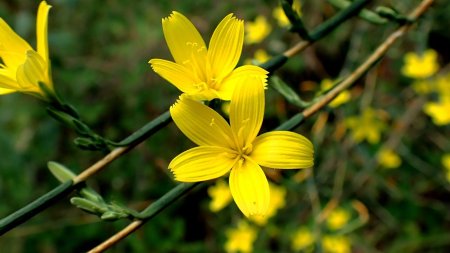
{"x": 182, "y": 37}
{"x": 41, "y": 30}
{"x": 7, "y": 82}
{"x": 249, "y": 188}
{"x": 247, "y": 109}
{"x": 229, "y": 83}
{"x": 283, "y": 150}
{"x": 5, "y": 91}
{"x": 225, "y": 46}
{"x": 176, "y": 74}
{"x": 31, "y": 73}
{"x": 201, "y": 124}
{"x": 12, "y": 46}
{"x": 202, "y": 163}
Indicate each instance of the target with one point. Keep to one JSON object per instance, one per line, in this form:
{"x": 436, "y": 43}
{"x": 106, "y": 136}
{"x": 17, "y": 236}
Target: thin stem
{"x": 321, "y": 31}
{"x": 148, "y": 213}
{"x": 46, "y": 200}
{"x": 365, "y": 66}
{"x": 35, "y": 207}
{"x": 331, "y": 24}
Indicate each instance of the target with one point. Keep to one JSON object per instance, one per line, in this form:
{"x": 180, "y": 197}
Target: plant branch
{"x": 148, "y": 213}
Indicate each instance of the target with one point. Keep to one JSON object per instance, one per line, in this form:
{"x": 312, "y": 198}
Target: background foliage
{"x": 99, "y": 52}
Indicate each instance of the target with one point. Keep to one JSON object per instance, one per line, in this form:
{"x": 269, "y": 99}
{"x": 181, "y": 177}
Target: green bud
{"x": 112, "y": 215}
{"x": 88, "y": 205}
{"x": 90, "y": 194}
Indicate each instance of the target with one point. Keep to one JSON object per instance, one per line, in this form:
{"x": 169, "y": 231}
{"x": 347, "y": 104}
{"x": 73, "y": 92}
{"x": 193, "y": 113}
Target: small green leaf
{"x": 61, "y": 172}
{"x": 287, "y": 92}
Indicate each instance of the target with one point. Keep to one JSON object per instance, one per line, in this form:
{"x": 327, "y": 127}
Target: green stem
{"x": 166, "y": 200}
{"x": 331, "y": 24}
{"x": 35, "y": 207}
{"x": 147, "y": 130}
{"x": 46, "y": 200}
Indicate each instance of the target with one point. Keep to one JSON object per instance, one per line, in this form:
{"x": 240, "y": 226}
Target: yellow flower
{"x": 336, "y": 244}
{"x": 302, "y": 238}
{"x": 236, "y": 146}
{"x": 439, "y": 85}
{"x": 259, "y": 57}
{"x": 446, "y": 163}
{"x": 201, "y": 73}
{"x": 438, "y": 111}
{"x": 257, "y": 30}
{"x": 342, "y": 98}
{"x": 367, "y": 126}
{"x": 277, "y": 196}
{"x": 22, "y": 68}
{"x": 337, "y": 219}
{"x": 220, "y": 196}
{"x": 280, "y": 16}
{"x": 241, "y": 238}
{"x": 420, "y": 66}
{"x": 388, "y": 159}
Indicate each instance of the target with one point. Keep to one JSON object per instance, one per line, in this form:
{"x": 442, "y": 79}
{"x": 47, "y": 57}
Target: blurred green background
{"x": 99, "y": 52}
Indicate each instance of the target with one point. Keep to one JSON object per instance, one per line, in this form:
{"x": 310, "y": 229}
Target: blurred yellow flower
{"x": 22, "y": 68}
{"x": 236, "y": 147}
{"x": 336, "y": 244}
{"x": 338, "y": 218}
{"x": 420, "y": 66}
{"x": 302, "y": 238}
{"x": 366, "y": 126}
{"x": 277, "y": 201}
{"x": 280, "y": 16}
{"x": 259, "y": 57}
{"x": 388, "y": 159}
{"x": 240, "y": 239}
{"x": 446, "y": 164}
{"x": 204, "y": 73}
{"x": 342, "y": 98}
{"x": 438, "y": 111}
{"x": 257, "y": 31}
{"x": 439, "y": 85}
{"x": 220, "y": 196}
{"x": 442, "y": 86}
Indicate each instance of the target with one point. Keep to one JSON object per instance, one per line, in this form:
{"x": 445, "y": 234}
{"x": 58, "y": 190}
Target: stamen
{"x": 241, "y": 129}
{"x": 247, "y": 149}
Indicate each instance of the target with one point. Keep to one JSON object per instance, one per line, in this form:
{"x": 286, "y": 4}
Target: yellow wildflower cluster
{"x": 257, "y": 30}
{"x": 420, "y": 66}
{"x": 302, "y": 239}
{"x": 337, "y": 219}
{"x": 388, "y": 159}
{"x": 234, "y": 147}
{"x": 366, "y": 126}
{"x": 24, "y": 69}
{"x": 336, "y": 244}
{"x": 240, "y": 239}
{"x": 260, "y": 56}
